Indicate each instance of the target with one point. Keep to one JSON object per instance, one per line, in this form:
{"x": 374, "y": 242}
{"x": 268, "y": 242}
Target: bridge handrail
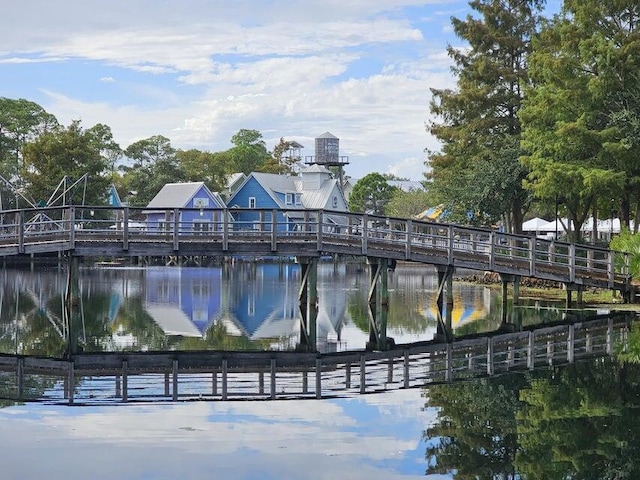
{"x": 370, "y": 235}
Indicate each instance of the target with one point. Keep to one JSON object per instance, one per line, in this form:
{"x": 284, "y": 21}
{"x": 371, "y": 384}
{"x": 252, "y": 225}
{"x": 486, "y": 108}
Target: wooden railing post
{"x": 450, "y": 244}
{"x": 225, "y": 230}
{"x": 125, "y": 229}
{"x": 176, "y": 229}
{"x": 492, "y": 250}
{"x": 572, "y": 262}
{"x": 407, "y": 248}
{"x": 21, "y": 231}
{"x": 320, "y": 227}
{"x": 72, "y": 227}
{"x": 610, "y": 270}
{"x": 532, "y": 257}
{"x": 365, "y": 233}
{"x": 318, "y": 377}
{"x": 274, "y": 230}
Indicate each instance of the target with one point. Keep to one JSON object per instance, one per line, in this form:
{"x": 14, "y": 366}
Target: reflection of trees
{"x": 217, "y": 338}
{"x": 579, "y": 421}
{"x": 476, "y": 430}
{"x": 582, "y": 422}
{"x": 403, "y": 316}
{"x": 133, "y": 318}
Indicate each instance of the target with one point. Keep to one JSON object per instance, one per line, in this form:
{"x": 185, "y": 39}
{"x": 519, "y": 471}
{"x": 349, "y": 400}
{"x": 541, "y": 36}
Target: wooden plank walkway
{"x": 94, "y": 378}
{"x": 308, "y": 233}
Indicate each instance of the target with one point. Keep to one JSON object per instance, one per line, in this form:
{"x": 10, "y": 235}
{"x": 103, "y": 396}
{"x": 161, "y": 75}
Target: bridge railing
{"x": 330, "y": 231}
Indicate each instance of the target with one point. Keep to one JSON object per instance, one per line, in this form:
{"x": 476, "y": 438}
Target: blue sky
{"x": 197, "y": 71}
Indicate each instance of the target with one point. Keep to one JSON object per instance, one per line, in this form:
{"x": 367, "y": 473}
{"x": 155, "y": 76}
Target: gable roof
{"x": 273, "y": 183}
{"x": 177, "y": 195}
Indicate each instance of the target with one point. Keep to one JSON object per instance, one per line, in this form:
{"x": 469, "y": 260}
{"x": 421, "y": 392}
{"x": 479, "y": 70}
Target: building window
{"x": 252, "y": 202}
{"x": 335, "y": 202}
{"x": 289, "y": 199}
{"x": 298, "y": 198}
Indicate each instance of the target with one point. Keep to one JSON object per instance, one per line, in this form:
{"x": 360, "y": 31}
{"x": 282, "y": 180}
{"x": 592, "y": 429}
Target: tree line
{"x": 545, "y": 114}
{"x": 37, "y": 152}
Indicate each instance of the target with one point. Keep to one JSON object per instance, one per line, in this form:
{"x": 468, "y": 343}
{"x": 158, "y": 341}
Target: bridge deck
{"x": 297, "y": 233}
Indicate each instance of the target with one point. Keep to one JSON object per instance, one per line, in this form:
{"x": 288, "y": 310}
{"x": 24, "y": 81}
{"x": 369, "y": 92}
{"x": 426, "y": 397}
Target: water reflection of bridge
{"x": 123, "y": 377}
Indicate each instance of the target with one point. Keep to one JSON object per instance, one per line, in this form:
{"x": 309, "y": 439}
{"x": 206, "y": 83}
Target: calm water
{"x": 578, "y": 421}
{"x": 247, "y": 307}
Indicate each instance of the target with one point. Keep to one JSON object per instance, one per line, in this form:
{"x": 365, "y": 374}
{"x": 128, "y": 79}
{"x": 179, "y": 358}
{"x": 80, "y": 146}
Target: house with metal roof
{"x": 314, "y": 188}
{"x": 206, "y": 214}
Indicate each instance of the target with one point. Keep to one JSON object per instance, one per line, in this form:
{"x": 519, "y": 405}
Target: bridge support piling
{"x": 308, "y": 303}
{"x": 579, "y": 301}
{"x": 378, "y": 304}
{"x": 72, "y": 314}
{"x": 445, "y": 325}
{"x": 569, "y": 301}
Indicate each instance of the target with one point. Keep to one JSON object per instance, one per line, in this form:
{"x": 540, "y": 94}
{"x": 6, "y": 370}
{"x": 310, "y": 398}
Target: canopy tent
{"x": 536, "y": 224}
{"x": 603, "y": 225}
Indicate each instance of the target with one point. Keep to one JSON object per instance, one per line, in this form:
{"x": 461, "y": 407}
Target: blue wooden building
{"x": 314, "y": 188}
{"x": 206, "y": 214}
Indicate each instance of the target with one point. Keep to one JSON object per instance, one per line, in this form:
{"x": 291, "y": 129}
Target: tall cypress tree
{"x": 477, "y": 171}
{"x": 581, "y": 122}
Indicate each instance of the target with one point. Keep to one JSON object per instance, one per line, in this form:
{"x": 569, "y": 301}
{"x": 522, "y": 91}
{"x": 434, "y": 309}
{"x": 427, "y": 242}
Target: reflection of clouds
{"x": 342, "y": 438}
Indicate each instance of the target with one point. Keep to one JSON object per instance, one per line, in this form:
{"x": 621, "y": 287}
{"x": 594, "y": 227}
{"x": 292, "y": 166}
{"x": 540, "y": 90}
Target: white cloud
{"x": 202, "y": 70}
{"x": 281, "y": 439}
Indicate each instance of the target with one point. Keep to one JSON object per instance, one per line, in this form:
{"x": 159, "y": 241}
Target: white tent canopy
{"x": 535, "y": 225}
{"x": 603, "y": 225}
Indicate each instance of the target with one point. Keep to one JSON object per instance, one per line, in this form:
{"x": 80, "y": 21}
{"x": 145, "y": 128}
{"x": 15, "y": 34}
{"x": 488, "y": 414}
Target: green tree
{"x": 71, "y": 152}
{"x": 211, "y": 168}
{"x": 477, "y": 172}
{"x": 585, "y": 75}
{"x": 371, "y": 194}
{"x": 282, "y": 160}
{"x": 21, "y": 121}
{"x": 249, "y": 152}
{"x": 109, "y": 149}
{"x": 155, "y": 164}
{"x": 407, "y": 204}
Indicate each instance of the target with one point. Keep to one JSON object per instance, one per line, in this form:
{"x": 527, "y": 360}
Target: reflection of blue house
{"x": 183, "y": 301}
{"x": 264, "y": 305}
{"x": 205, "y": 217}
{"x": 314, "y": 188}
{"x": 259, "y": 295}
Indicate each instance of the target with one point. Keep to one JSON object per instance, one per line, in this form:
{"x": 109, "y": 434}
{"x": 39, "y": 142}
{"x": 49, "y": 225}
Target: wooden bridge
{"x": 94, "y": 378}
{"x": 106, "y": 232}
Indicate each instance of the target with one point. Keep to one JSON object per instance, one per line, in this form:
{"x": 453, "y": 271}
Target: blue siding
{"x": 255, "y": 301}
{"x": 196, "y": 291}
{"x": 187, "y": 218}
{"x": 245, "y": 220}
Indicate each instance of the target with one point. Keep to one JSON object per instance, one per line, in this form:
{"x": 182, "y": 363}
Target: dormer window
{"x": 289, "y": 199}
{"x": 298, "y": 198}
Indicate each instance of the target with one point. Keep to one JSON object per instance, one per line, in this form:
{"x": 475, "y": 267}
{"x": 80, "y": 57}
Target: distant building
{"x": 233, "y": 183}
{"x": 314, "y": 188}
{"x": 207, "y": 208}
